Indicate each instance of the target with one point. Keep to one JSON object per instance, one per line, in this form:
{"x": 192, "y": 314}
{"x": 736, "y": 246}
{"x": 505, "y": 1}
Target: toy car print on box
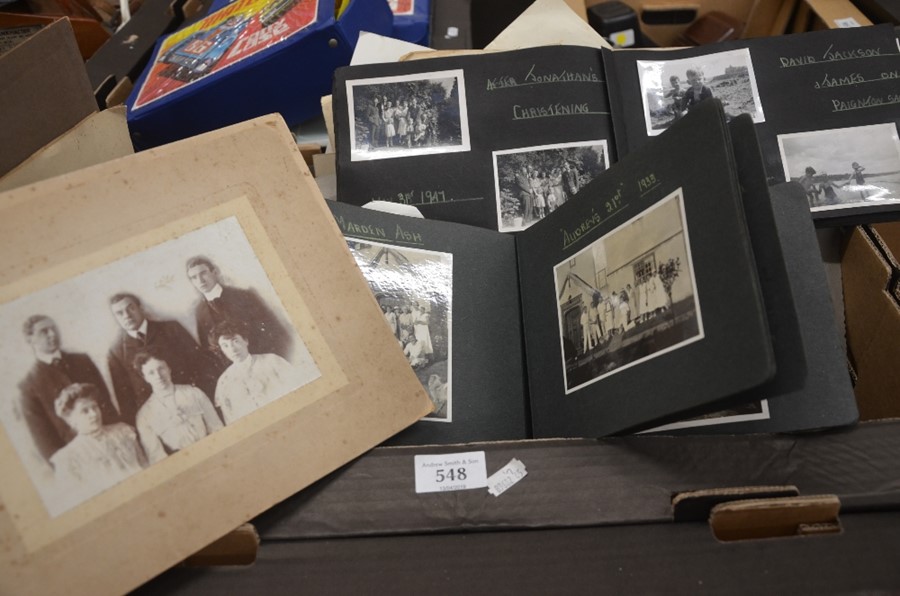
{"x": 222, "y": 39}
{"x": 411, "y": 20}
{"x": 241, "y": 61}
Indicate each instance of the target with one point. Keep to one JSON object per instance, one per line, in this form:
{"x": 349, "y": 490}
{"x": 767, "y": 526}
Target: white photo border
{"x": 494, "y": 154}
{"x": 465, "y": 141}
{"x": 869, "y": 201}
{"x": 648, "y": 68}
{"x": 677, "y": 194}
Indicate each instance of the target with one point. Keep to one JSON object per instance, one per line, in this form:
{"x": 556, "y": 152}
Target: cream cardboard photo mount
{"x": 187, "y": 341}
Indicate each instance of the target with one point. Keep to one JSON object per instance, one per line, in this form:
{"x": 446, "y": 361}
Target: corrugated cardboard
{"x": 872, "y": 307}
{"x": 44, "y": 92}
{"x": 100, "y": 137}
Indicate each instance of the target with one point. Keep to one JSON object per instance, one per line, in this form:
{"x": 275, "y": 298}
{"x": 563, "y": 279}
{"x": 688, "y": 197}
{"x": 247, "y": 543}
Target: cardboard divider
{"x": 696, "y": 505}
{"x": 775, "y": 518}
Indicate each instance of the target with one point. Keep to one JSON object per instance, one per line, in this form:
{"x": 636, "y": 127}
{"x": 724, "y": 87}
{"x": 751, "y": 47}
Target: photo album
{"x": 621, "y": 318}
{"x": 170, "y": 320}
{"x": 485, "y": 130}
{"x": 824, "y": 104}
{"x": 501, "y": 139}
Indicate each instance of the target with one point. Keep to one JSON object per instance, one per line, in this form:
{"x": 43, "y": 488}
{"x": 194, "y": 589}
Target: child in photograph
{"x": 808, "y": 182}
{"x": 676, "y": 94}
{"x": 859, "y": 180}
{"x": 99, "y": 456}
{"x": 828, "y": 190}
{"x": 174, "y": 416}
{"x": 252, "y": 380}
{"x": 697, "y": 91}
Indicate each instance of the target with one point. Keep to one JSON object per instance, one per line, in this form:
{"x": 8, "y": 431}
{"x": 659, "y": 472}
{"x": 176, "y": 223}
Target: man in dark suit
{"x": 53, "y": 371}
{"x": 189, "y": 363}
{"x": 265, "y": 333}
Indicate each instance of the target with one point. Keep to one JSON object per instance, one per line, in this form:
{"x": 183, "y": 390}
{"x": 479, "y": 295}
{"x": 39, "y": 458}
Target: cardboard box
{"x": 250, "y": 58}
{"x": 588, "y": 513}
{"x": 411, "y": 19}
{"x": 871, "y": 281}
{"x": 51, "y": 93}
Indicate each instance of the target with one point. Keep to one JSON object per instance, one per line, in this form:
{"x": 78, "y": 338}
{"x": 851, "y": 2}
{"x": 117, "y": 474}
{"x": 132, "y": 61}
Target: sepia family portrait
{"x": 119, "y": 367}
{"x": 414, "y": 289}
{"x": 628, "y": 296}
{"x": 408, "y": 115}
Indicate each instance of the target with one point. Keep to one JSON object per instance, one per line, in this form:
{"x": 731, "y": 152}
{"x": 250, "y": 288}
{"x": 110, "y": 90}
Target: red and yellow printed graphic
{"x": 402, "y": 7}
{"x": 225, "y": 37}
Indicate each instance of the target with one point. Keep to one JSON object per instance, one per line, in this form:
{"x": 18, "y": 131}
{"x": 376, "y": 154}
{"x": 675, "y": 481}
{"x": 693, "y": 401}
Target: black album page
{"x": 496, "y": 140}
{"x": 450, "y": 294}
{"x": 811, "y": 389}
{"x": 826, "y": 105}
{"x": 640, "y": 297}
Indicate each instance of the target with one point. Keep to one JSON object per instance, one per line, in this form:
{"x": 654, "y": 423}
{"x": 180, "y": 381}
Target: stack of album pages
{"x": 664, "y": 272}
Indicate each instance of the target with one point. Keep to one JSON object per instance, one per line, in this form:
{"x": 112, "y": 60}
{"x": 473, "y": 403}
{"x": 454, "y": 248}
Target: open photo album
{"x": 501, "y": 139}
{"x": 667, "y": 292}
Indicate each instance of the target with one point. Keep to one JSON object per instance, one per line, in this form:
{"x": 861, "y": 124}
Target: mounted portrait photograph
{"x": 671, "y": 88}
{"x": 532, "y": 182}
{"x": 628, "y": 297}
{"x": 844, "y": 167}
{"x": 414, "y": 289}
{"x": 120, "y": 367}
{"x": 408, "y": 115}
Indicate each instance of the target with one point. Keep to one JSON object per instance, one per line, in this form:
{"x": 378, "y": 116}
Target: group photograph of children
{"x": 844, "y": 167}
{"x": 671, "y": 88}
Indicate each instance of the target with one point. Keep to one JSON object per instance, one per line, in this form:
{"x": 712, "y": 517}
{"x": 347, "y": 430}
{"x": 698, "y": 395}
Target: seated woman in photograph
{"x": 100, "y": 456}
{"x": 415, "y": 352}
{"x": 174, "y": 416}
{"x": 252, "y": 380}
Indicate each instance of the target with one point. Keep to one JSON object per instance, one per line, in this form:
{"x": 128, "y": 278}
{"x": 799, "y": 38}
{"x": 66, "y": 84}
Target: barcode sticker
{"x": 507, "y": 476}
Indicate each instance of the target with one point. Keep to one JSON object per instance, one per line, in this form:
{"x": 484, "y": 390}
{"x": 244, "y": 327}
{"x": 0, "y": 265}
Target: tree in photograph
{"x": 668, "y": 273}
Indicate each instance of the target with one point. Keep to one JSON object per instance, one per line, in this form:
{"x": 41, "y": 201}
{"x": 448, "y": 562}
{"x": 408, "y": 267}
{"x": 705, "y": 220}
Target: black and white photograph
{"x": 671, "y": 88}
{"x": 414, "y": 288}
{"x": 754, "y": 410}
{"x": 531, "y": 182}
{"x": 844, "y": 167}
{"x": 115, "y": 369}
{"x": 629, "y": 296}
{"x": 408, "y": 115}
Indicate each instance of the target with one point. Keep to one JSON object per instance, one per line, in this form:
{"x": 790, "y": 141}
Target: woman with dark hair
{"x": 252, "y": 380}
{"x": 174, "y": 416}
